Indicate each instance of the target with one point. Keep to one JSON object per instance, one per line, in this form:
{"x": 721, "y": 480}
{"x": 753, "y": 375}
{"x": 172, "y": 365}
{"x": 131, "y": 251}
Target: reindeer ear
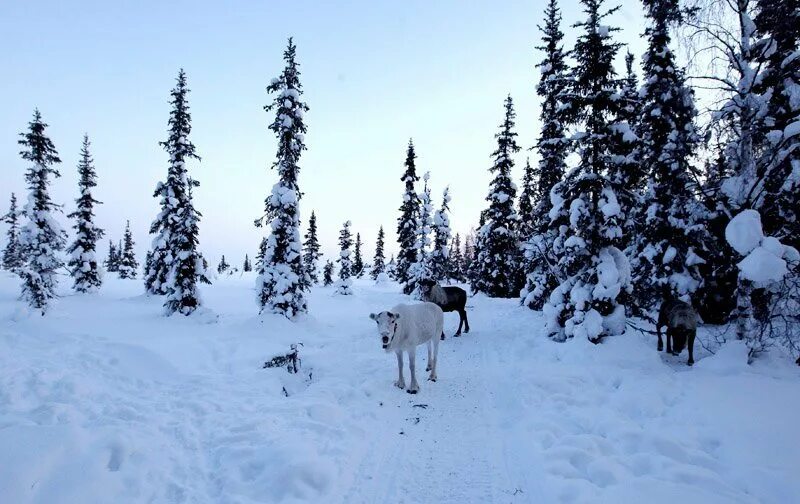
{"x": 395, "y": 316}
{"x": 373, "y": 316}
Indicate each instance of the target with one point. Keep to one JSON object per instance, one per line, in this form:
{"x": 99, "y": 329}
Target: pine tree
{"x": 223, "y": 265}
{"x": 86, "y": 274}
{"x": 13, "y": 258}
{"x": 469, "y": 257}
{"x": 421, "y": 268}
{"x": 262, "y": 249}
{"x": 175, "y": 264}
{"x": 358, "y": 260}
{"x": 378, "y": 265}
{"x": 247, "y": 266}
{"x": 311, "y": 253}
{"x": 585, "y": 209}
{"x": 552, "y": 146}
{"x": 498, "y": 260}
{"x": 456, "y": 260}
{"x": 669, "y": 245}
{"x": 41, "y": 237}
{"x": 282, "y": 282}
{"x": 407, "y": 222}
{"x": 344, "y": 284}
{"x": 525, "y": 203}
{"x": 128, "y": 265}
{"x": 440, "y": 255}
{"x": 327, "y": 274}
{"x": 391, "y": 268}
{"x": 112, "y": 260}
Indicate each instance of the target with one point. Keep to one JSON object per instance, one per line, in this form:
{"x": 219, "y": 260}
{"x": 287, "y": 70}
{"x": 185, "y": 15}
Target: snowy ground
{"x": 105, "y": 400}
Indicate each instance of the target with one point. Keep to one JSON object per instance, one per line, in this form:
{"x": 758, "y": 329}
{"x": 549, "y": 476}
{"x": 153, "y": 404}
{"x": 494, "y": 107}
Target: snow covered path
{"x": 106, "y": 400}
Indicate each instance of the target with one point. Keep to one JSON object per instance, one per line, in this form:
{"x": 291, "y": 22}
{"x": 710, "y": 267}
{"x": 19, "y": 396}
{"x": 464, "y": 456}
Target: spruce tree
{"x": 777, "y": 24}
{"x": 247, "y": 266}
{"x": 525, "y": 203}
{"x": 358, "y": 260}
{"x": 552, "y": 146}
{"x": 586, "y": 210}
{"x": 421, "y": 268}
{"x": 175, "y": 264}
{"x": 378, "y": 265}
{"x": 311, "y": 253}
{"x": 391, "y": 268}
{"x": 128, "y": 266}
{"x": 86, "y": 274}
{"x": 407, "y": 222}
{"x": 669, "y": 246}
{"x": 112, "y": 260}
{"x": 262, "y": 249}
{"x": 327, "y": 274}
{"x": 498, "y": 262}
{"x": 41, "y": 237}
{"x": 223, "y": 265}
{"x": 440, "y": 255}
{"x": 13, "y": 258}
{"x": 345, "y": 283}
{"x": 456, "y": 260}
{"x": 282, "y": 282}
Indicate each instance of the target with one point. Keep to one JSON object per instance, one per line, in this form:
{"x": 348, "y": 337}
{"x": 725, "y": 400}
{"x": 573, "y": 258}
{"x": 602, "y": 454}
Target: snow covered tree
{"x": 378, "y": 265}
{"x": 311, "y": 253}
{"x": 407, "y": 222}
{"x": 112, "y": 260}
{"x": 327, "y": 274}
{"x": 585, "y": 208}
{"x": 13, "y": 258}
{"x": 86, "y": 274}
{"x": 669, "y": 242}
{"x": 262, "y": 249}
{"x": 498, "y": 268}
{"x": 469, "y": 256}
{"x": 552, "y": 146}
{"x": 175, "y": 263}
{"x": 247, "y": 266}
{"x": 358, "y": 260}
{"x": 421, "y": 268}
{"x": 456, "y": 260}
{"x": 223, "y": 265}
{"x": 525, "y": 203}
{"x": 344, "y": 284}
{"x": 282, "y": 282}
{"x": 128, "y": 265}
{"x": 391, "y": 268}
{"x": 440, "y": 255}
{"x": 41, "y": 237}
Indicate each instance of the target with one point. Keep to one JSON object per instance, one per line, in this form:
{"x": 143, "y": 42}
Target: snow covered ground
{"x": 105, "y": 400}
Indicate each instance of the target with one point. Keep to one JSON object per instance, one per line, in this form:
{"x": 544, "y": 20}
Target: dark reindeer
{"x": 681, "y": 322}
{"x": 449, "y": 299}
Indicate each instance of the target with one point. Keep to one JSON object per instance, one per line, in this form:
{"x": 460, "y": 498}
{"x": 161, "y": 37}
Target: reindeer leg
{"x": 660, "y": 341}
{"x": 428, "y": 367}
{"x": 400, "y": 383}
{"x": 691, "y": 348}
{"x": 669, "y": 340}
{"x": 412, "y": 358}
{"x": 432, "y": 376}
{"x": 466, "y": 321}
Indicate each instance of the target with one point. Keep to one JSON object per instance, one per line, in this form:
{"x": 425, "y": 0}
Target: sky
{"x": 375, "y": 74}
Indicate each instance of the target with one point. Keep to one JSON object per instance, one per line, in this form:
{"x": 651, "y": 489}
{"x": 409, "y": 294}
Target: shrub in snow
{"x": 498, "y": 259}
{"x": 378, "y": 266}
{"x": 407, "y": 222}
{"x": 41, "y": 237}
{"x": 282, "y": 281}
{"x": 12, "y": 253}
{"x": 86, "y": 274}
{"x": 767, "y": 264}
{"x": 345, "y": 283}
{"x": 311, "y": 253}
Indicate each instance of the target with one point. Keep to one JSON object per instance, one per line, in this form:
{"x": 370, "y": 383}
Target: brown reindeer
{"x": 681, "y": 322}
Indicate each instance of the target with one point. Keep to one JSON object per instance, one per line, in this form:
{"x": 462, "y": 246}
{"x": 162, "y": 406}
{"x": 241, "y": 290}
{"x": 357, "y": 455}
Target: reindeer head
{"x": 387, "y": 326}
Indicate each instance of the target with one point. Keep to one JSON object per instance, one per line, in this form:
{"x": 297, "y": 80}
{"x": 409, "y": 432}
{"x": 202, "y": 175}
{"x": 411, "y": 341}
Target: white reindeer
{"x": 405, "y": 327}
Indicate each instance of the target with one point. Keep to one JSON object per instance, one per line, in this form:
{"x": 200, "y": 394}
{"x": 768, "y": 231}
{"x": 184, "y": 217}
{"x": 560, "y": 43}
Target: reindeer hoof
{"x": 400, "y": 385}
{"x": 457, "y": 335}
{"x": 442, "y": 337}
{"x": 690, "y": 363}
{"x": 660, "y": 348}
{"x": 412, "y": 391}
{"x": 432, "y": 378}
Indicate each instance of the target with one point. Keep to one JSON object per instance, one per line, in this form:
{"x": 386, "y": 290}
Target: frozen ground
{"x": 105, "y": 400}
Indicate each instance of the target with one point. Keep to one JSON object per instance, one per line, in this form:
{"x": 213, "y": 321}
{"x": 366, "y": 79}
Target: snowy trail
{"x": 106, "y": 400}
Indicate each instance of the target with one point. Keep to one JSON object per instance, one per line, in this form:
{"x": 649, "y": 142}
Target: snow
{"x": 744, "y": 231}
{"x": 761, "y": 265}
{"x": 105, "y": 400}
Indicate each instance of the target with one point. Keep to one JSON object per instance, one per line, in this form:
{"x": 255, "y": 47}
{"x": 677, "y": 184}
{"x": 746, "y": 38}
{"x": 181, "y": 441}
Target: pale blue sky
{"x": 374, "y": 74}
